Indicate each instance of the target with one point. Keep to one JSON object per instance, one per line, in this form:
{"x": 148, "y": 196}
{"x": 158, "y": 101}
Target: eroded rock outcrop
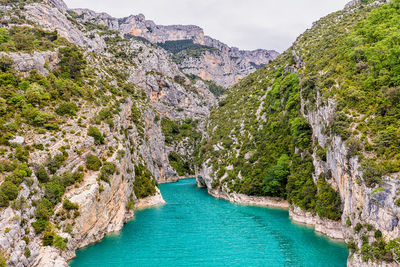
{"x": 222, "y": 64}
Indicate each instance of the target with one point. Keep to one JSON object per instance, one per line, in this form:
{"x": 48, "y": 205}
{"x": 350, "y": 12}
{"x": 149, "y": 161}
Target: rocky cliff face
{"x": 126, "y": 90}
{"x": 224, "y": 65}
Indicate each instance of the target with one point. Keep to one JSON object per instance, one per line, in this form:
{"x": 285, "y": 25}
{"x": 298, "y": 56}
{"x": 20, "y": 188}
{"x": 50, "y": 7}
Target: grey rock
{"x": 18, "y": 140}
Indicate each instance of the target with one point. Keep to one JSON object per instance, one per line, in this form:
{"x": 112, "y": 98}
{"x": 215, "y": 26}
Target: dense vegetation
{"x": 145, "y": 183}
{"x": 183, "y": 133}
{"x": 260, "y": 142}
{"x": 40, "y": 105}
{"x": 27, "y": 39}
{"x": 183, "y": 49}
{"x": 360, "y": 69}
{"x": 180, "y": 45}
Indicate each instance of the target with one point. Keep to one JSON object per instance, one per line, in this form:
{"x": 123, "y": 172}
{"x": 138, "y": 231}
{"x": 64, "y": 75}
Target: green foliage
{"x": 328, "y": 203}
{"x": 59, "y": 242}
{"x": 181, "y": 166}
{"x": 68, "y": 205}
{"x": 44, "y": 209}
{"x": 276, "y": 178}
{"x": 71, "y": 62}
{"x": 4, "y": 36}
{"x": 301, "y": 189}
{"x": 48, "y": 238}
{"x": 28, "y": 39}
{"x": 6, "y": 62}
{"x": 3, "y": 258}
{"x": 40, "y": 225}
{"x": 145, "y": 184}
{"x": 358, "y": 227}
{"x": 93, "y": 163}
{"x": 54, "y": 163}
{"x": 35, "y": 94}
{"x": 67, "y": 108}
{"x": 27, "y": 253}
{"x": 107, "y": 171}
{"x": 96, "y": 134}
{"x": 352, "y": 247}
{"x": 179, "y": 79}
{"x": 8, "y": 191}
{"x": 176, "y": 131}
{"x": 215, "y": 89}
{"x": 394, "y": 247}
{"x": 357, "y": 59}
{"x": 41, "y": 174}
{"x": 181, "y": 45}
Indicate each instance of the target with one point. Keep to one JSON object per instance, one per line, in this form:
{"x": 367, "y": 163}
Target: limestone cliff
{"x": 82, "y": 144}
{"x": 224, "y": 65}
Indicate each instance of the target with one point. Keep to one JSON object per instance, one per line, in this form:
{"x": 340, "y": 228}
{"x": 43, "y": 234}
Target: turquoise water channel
{"x": 195, "y": 229}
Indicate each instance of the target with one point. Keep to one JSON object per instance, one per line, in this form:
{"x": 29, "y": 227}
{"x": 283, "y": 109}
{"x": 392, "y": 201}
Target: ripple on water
{"x": 194, "y": 229}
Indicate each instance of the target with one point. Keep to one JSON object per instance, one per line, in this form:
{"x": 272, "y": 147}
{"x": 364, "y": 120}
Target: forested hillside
{"x": 319, "y": 126}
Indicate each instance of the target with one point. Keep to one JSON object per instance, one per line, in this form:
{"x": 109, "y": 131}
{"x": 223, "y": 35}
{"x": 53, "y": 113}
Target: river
{"x": 195, "y": 229}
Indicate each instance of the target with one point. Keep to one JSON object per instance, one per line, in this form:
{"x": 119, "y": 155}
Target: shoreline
{"x": 150, "y": 201}
{"x": 144, "y": 203}
{"x": 328, "y": 228}
{"x": 241, "y": 199}
{"x": 175, "y": 179}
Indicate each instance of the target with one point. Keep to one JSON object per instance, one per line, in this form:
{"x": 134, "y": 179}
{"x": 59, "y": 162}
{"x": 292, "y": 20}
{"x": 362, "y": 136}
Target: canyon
{"x": 96, "y": 111}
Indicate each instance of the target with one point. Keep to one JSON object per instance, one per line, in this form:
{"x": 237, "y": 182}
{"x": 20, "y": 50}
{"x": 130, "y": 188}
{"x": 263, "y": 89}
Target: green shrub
{"x": 48, "y": 238}
{"x": 93, "y": 163}
{"x": 54, "y": 190}
{"x": 215, "y": 89}
{"x": 40, "y": 225}
{"x": 54, "y": 163}
{"x": 181, "y": 166}
{"x": 35, "y": 93}
{"x": 67, "y": 108}
{"x": 352, "y": 247}
{"x": 59, "y": 242}
{"x": 106, "y": 171}
{"x": 328, "y": 203}
{"x": 6, "y": 62}
{"x": 71, "y": 62}
{"x": 3, "y": 258}
{"x": 8, "y": 191}
{"x": 179, "y": 79}
{"x": 27, "y": 253}
{"x": 144, "y": 184}
{"x": 358, "y": 227}
{"x": 276, "y": 177}
{"x": 41, "y": 174}
{"x": 68, "y": 205}
{"x": 44, "y": 209}
{"x": 4, "y": 35}
{"x": 96, "y": 134}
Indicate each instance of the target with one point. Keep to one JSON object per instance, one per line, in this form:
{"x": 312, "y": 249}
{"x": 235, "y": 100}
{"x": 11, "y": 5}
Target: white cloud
{"x": 247, "y": 24}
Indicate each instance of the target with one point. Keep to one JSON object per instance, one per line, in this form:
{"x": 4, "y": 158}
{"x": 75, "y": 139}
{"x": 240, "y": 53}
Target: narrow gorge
{"x": 97, "y": 111}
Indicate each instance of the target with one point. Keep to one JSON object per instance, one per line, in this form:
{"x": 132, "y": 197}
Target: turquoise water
{"x": 194, "y": 229}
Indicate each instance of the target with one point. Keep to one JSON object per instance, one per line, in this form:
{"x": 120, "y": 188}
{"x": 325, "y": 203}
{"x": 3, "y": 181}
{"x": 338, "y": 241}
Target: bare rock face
{"x": 103, "y": 206}
{"x": 53, "y": 18}
{"x": 59, "y": 4}
{"x": 224, "y": 65}
{"x": 40, "y": 61}
{"x": 356, "y": 2}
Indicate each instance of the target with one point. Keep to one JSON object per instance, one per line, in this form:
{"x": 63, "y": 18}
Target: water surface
{"x": 194, "y": 229}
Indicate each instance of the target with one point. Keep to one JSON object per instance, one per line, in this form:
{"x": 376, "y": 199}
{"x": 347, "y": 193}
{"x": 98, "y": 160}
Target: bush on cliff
{"x": 92, "y": 162}
{"x": 145, "y": 184}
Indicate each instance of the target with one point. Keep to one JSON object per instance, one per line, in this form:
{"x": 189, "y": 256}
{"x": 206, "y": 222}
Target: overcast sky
{"x": 247, "y": 24}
